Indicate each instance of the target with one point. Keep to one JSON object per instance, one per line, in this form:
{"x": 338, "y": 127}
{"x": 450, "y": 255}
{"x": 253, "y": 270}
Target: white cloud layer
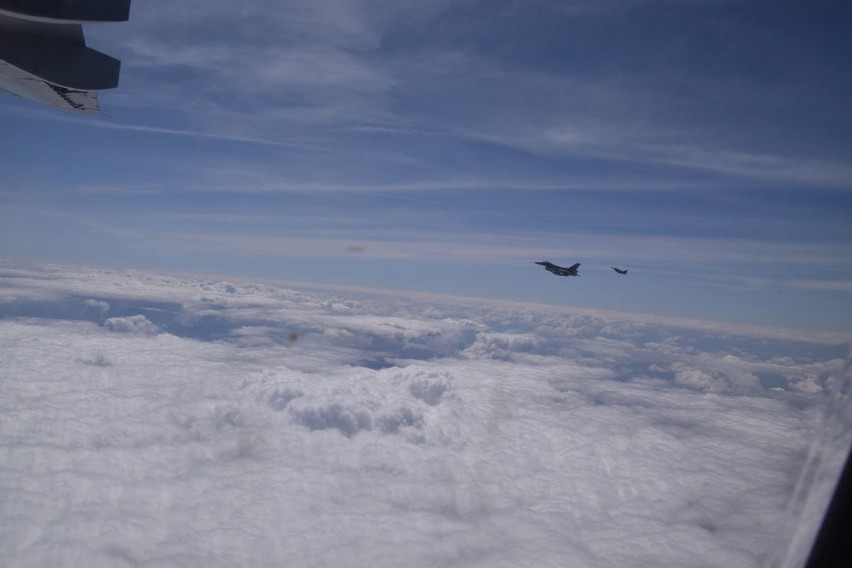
{"x": 154, "y": 420}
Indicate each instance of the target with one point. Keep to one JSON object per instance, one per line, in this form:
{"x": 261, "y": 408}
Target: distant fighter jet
{"x": 560, "y": 270}
{"x": 620, "y": 271}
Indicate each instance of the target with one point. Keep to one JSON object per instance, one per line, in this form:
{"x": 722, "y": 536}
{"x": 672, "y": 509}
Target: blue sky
{"x": 445, "y": 146}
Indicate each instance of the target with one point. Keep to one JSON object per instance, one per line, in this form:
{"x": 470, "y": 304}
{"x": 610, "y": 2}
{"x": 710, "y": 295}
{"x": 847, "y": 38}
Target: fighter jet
{"x": 619, "y": 270}
{"x": 560, "y": 270}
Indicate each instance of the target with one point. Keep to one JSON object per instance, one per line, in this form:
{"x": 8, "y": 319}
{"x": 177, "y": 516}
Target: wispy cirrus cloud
{"x": 498, "y": 247}
{"x": 332, "y": 67}
{"x": 322, "y": 233}
{"x": 828, "y": 285}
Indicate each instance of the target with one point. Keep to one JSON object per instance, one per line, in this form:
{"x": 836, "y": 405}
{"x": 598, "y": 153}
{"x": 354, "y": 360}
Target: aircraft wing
{"x": 43, "y": 54}
{"x": 18, "y": 82}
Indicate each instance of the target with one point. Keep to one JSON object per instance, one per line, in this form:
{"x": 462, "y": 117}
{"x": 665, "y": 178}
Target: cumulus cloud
{"x": 131, "y": 324}
{"x": 696, "y": 378}
{"x": 807, "y": 384}
{"x": 414, "y": 431}
{"x": 99, "y": 305}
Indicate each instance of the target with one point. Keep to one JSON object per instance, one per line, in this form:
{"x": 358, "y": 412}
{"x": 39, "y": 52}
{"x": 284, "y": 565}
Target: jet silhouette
{"x": 620, "y": 271}
{"x": 560, "y": 270}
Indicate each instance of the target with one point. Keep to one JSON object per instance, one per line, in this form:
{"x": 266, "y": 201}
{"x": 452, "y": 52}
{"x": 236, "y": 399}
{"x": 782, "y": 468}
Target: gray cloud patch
{"x": 280, "y": 398}
{"x": 429, "y": 391}
{"x": 98, "y": 360}
{"x": 334, "y": 415}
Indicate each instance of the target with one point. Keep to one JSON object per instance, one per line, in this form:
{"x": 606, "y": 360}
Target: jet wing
{"x": 18, "y": 82}
{"x": 43, "y": 54}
